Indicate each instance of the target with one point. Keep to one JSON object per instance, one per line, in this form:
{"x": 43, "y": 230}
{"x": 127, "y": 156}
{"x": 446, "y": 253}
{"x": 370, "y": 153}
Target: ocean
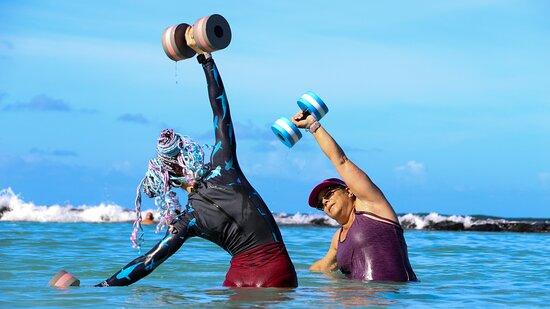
{"x": 462, "y": 267}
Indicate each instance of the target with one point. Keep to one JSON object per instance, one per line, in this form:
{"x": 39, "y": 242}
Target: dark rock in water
{"x": 525, "y": 227}
{"x": 519, "y": 227}
{"x": 4, "y": 209}
{"x": 486, "y": 227}
{"x": 446, "y": 226}
{"x": 541, "y": 227}
{"x": 320, "y": 222}
{"x": 485, "y": 224}
{"x": 408, "y": 224}
{"x": 522, "y": 227}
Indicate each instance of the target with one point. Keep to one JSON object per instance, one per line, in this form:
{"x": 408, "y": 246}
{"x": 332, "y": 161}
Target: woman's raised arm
{"x": 224, "y": 152}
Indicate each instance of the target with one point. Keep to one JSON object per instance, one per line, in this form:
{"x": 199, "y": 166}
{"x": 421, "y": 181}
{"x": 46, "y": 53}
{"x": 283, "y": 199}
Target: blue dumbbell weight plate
{"x": 312, "y": 103}
{"x": 286, "y": 131}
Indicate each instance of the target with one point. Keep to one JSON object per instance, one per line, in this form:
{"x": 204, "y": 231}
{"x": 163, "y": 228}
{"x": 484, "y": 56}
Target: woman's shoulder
{"x": 382, "y": 211}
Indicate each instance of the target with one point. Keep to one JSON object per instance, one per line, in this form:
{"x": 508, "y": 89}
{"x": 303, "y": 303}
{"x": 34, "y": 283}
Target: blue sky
{"x": 446, "y": 105}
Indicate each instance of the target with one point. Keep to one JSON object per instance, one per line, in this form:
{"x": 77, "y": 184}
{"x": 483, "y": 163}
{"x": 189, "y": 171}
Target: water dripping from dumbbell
{"x": 176, "y": 71}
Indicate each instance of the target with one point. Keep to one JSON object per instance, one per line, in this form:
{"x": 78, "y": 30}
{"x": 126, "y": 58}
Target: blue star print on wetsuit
{"x": 223, "y": 207}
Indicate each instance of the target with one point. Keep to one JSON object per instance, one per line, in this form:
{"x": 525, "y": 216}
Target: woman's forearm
{"x": 329, "y": 146}
{"x": 225, "y": 146}
{"x": 323, "y": 265}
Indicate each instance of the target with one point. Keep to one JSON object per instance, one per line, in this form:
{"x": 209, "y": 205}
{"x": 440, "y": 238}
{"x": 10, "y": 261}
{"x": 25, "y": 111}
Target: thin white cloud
{"x": 54, "y": 152}
{"x": 122, "y": 166}
{"x": 44, "y": 103}
{"x": 272, "y": 158}
{"x": 412, "y": 172}
{"x": 412, "y": 167}
{"x": 135, "y": 118}
{"x": 246, "y": 130}
{"x": 41, "y": 103}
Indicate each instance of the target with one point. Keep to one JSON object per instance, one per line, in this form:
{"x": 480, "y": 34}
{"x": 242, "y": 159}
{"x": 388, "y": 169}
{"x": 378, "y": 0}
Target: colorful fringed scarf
{"x": 179, "y": 161}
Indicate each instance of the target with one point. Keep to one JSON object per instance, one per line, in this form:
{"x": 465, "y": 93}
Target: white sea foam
{"x": 14, "y": 208}
{"x": 304, "y": 219}
{"x": 422, "y": 221}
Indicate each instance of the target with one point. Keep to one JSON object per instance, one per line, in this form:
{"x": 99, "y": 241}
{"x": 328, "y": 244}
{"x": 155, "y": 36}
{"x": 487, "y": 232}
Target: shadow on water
{"x": 153, "y": 296}
{"x": 254, "y": 296}
{"x": 337, "y": 291}
{"x": 347, "y": 292}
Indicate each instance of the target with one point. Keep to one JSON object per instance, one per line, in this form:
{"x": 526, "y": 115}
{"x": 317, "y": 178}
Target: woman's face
{"x": 337, "y": 203}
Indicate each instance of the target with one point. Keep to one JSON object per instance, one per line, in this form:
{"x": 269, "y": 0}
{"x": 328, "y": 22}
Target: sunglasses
{"x": 327, "y": 195}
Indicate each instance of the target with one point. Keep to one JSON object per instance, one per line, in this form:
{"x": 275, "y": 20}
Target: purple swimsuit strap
{"x": 381, "y": 219}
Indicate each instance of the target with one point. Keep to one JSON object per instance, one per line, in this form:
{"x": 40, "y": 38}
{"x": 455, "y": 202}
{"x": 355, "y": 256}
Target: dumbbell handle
{"x": 305, "y": 114}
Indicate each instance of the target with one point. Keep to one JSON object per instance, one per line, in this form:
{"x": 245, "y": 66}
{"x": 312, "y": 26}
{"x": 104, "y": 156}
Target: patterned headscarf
{"x": 179, "y": 161}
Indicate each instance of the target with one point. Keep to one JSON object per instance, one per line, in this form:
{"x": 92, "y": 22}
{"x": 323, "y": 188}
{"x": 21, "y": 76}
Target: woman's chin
{"x": 337, "y": 216}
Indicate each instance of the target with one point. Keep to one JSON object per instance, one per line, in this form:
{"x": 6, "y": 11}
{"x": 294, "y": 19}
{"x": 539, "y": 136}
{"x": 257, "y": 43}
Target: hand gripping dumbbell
{"x": 287, "y": 131}
{"x": 208, "y": 34}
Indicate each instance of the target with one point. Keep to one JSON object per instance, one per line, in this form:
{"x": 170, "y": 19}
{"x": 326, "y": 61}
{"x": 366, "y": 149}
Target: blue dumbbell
{"x": 287, "y": 131}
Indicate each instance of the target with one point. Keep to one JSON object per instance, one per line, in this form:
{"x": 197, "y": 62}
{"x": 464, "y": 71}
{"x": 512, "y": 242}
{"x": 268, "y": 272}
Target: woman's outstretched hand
{"x": 303, "y": 121}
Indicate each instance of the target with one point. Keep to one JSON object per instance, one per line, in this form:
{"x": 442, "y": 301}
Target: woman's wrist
{"x": 314, "y": 126}
{"x": 204, "y": 58}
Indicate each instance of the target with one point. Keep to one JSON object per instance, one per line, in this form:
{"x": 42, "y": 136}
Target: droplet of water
{"x": 176, "y": 71}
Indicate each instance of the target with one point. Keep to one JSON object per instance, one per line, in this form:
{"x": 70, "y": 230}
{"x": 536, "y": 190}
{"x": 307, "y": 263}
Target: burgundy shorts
{"x": 262, "y": 266}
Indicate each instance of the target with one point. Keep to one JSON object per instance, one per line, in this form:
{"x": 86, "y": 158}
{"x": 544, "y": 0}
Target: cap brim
{"x": 313, "y": 200}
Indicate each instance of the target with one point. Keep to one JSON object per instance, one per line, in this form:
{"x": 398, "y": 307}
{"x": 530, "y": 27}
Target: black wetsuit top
{"x": 223, "y": 208}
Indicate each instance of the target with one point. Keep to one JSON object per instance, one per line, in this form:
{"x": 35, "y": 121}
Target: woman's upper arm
{"x": 359, "y": 182}
{"x": 333, "y": 249}
{"x": 328, "y": 262}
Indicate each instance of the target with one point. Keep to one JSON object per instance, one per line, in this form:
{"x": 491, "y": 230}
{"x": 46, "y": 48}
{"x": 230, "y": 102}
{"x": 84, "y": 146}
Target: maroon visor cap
{"x": 313, "y": 200}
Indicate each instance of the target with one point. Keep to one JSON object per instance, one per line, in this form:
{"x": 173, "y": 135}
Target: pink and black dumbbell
{"x": 207, "y": 34}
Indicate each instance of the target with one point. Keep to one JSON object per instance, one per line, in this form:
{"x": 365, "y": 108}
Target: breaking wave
{"x": 13, "y": 208}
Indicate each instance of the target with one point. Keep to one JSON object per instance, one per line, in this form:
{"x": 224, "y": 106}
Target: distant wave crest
{"x": 13, "y": 208}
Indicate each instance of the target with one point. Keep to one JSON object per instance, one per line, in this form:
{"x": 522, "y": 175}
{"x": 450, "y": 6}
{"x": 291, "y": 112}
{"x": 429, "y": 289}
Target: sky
{"x": 445, "y": 104}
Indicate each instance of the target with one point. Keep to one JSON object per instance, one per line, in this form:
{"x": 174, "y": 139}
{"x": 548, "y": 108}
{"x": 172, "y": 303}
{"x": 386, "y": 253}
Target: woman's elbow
{"x": 340, "y": 161}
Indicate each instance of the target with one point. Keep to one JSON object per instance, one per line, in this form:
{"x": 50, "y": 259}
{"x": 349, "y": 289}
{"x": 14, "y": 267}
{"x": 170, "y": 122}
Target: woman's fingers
{"x": 298, "y": 116}
{"x": 300, "y": 119}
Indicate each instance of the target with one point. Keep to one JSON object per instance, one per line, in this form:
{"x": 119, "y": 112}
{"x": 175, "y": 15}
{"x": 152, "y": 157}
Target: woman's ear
{"x": 350, "y": 194}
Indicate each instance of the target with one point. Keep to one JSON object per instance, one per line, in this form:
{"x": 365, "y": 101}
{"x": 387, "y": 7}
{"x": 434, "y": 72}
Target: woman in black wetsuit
{"x": 224, "y": 208}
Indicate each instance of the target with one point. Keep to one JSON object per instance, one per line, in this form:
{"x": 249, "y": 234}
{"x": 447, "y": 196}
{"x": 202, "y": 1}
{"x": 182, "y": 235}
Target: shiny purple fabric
{"x": 374, "y": 250}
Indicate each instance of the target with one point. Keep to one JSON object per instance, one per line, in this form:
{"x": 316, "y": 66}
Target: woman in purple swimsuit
{"x": 370, "y": 244}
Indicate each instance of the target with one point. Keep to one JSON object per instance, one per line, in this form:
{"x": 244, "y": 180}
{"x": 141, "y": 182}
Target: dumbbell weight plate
{"x": 312, "y": 103}
{"x": 64, "y": 279}
{"x": 174, "y": 44}
{"x": 286, "y": 131}
{"x": 212, "y": 33}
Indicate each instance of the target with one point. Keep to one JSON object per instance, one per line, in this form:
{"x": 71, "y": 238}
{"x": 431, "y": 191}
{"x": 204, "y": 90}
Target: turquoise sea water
{"x": 456, "y": 269}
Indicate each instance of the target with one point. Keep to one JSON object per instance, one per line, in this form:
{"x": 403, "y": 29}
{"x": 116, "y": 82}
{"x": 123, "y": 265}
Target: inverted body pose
{"x": 370, "y": 244}
{"x": 223, "y": 207}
